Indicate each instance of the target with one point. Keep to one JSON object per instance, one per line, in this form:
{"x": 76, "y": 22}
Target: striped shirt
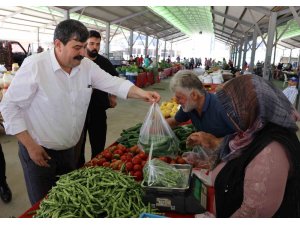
{"x": 291, "y": 93}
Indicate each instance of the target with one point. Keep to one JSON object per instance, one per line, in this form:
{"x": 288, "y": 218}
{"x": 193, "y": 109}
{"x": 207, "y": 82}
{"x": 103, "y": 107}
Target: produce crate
{"x": 179, "y": 200}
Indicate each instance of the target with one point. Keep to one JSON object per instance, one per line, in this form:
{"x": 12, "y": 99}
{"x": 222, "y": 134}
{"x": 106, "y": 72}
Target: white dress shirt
{"x": 52, "y": 104}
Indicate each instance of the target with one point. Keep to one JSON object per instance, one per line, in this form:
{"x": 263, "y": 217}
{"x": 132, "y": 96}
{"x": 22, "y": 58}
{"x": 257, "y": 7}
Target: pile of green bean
{"x": 94, "y": 192}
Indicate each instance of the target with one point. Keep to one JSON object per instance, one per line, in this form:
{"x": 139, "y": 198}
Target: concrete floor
{"x": 126, "y": 114}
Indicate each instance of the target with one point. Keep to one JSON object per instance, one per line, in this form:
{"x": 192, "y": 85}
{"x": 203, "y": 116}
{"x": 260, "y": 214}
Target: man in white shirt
{"x": 291, "y": 91}
{"x": 46, "y": 104}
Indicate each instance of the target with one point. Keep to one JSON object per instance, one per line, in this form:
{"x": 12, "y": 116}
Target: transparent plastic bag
{"x": 157, "y": 133}
{"x": 201, "y": 158}
{"x": 158, "y": 173}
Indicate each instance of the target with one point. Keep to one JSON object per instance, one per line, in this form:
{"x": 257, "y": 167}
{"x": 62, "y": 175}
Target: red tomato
{"x": 118, "y": 151}
{"x": 129, "y": 158}
{"x": 95, "y": 161}
{"x": 180, "y": 160}
{"x": 116, "y": 156}
{"x": 173, "y": 161}
{"x": 121, "y": 147}
{"x": 163, "y": 158}
{"x": 143, "y": 163}
{"x": 137, "y": 167}
{"x": 129, "y": 166}
{"x": 138, "y": 175}
{"x": 101, "y": 161}
{"x": 107, "y": 155}
{"x": 106, "y": 164}
{"x": 142, "y": 156}
{"x": 136, "y": 160}
{"x": 123, "y": 158}
{"x": 120, "y": 166}
{"x": 168, "y": 159}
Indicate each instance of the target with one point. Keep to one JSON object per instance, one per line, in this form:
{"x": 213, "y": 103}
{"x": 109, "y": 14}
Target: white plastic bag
{"x": 156, "y": 131}
{"x": 201, "y": 158}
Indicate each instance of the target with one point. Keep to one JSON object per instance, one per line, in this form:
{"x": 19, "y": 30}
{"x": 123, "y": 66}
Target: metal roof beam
{"x": 128, "y": 17}
{"x": 12, "y": 15}
{"x": 286, "y": 11}
{"x": 232, "y": 18}
{"x": 295, "y": 14}
{"x": 227, "y": 33}
{"x": 230, "y": 28}
{"x": 290, "y": 44}
{"x": 228, "y": 38}
{"x": 175, "y": 37}
{"x": 75, "y": 9}
{"x": 257, "y": 27}
{"x": 158, "y": 31}
{"x": 169, "y": 35}
{"x": 260, "y": 9}
{"x": 180, "y": 39}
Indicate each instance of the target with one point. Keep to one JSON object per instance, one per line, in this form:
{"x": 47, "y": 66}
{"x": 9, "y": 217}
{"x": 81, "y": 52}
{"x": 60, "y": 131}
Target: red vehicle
{"x": 12, "y": 52}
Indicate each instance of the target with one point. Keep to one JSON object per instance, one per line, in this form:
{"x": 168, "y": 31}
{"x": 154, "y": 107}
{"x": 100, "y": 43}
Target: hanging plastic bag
{"x": 201, "y": 158}
{"x": 156, "y": 131}
{"x": 158, "y": 173}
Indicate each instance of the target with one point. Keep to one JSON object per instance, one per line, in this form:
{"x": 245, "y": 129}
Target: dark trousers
{"x": 2, "y": 167}
{"x": 39, "y": 180}
{"x": 96, "y": 126}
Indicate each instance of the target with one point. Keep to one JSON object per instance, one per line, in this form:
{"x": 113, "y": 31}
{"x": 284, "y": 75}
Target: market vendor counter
{"x": 197, "y": 199}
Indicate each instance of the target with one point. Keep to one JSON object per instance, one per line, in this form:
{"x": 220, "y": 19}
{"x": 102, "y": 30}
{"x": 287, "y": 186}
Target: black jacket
{"x": 99, "y": 99}
{"x": 229, "y": 183}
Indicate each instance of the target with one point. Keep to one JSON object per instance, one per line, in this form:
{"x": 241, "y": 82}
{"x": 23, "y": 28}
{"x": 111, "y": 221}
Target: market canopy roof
{"x": 171, "y": 23}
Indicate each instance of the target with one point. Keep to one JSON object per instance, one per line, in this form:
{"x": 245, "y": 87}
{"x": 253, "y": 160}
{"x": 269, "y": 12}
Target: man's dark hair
{"x": 71, "y": 30}
{"x": 94, "y": 33}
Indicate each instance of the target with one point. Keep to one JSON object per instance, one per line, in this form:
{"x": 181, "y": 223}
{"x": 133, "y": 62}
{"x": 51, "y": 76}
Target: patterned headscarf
{"x": 251, "y": 102}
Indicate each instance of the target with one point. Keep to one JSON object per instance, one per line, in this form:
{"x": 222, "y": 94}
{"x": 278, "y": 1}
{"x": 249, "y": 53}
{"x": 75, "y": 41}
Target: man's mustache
{"x": 79, "y": 57}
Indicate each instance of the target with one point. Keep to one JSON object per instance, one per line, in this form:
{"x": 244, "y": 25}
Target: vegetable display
{"x": 182, "y": 133}
{"x": 130, "y": 136}
{"x": 118, "y": 157}
{"x": 94, "y": 192}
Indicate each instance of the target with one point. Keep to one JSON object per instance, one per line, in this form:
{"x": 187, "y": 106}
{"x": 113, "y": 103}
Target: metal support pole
{"x": 297, "y": 106}
{"x": 271, "y": 32}
{"x": 66, "y": 14}
{"x": 298, "y": 64}
{"x": 165, "y": 49}
{"x": 245, "y": 51}
{"x": 253, "y": 50}
{"x": 130, "y": 42}
{"x": 235, "y": 57}
{"x": 240, "y": 54}
{"x": 146, "y": 46}
{"x": 38, "y": 36}
{"x": 156, "y": 50}
{"x": 290, "y": 58}
{"x": 275, "y": 48}
{"x": 107, "y": 39}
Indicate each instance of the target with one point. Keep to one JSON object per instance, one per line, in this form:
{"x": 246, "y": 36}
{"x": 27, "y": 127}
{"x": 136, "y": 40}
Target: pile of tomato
{"x": 128, "y": 160}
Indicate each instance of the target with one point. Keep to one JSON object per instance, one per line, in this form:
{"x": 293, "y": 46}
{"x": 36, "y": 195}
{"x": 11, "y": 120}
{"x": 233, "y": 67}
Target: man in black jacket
{"x": 95, "y": 122}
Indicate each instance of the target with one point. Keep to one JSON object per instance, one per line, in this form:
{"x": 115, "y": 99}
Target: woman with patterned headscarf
{"x": 258, "y": 171}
